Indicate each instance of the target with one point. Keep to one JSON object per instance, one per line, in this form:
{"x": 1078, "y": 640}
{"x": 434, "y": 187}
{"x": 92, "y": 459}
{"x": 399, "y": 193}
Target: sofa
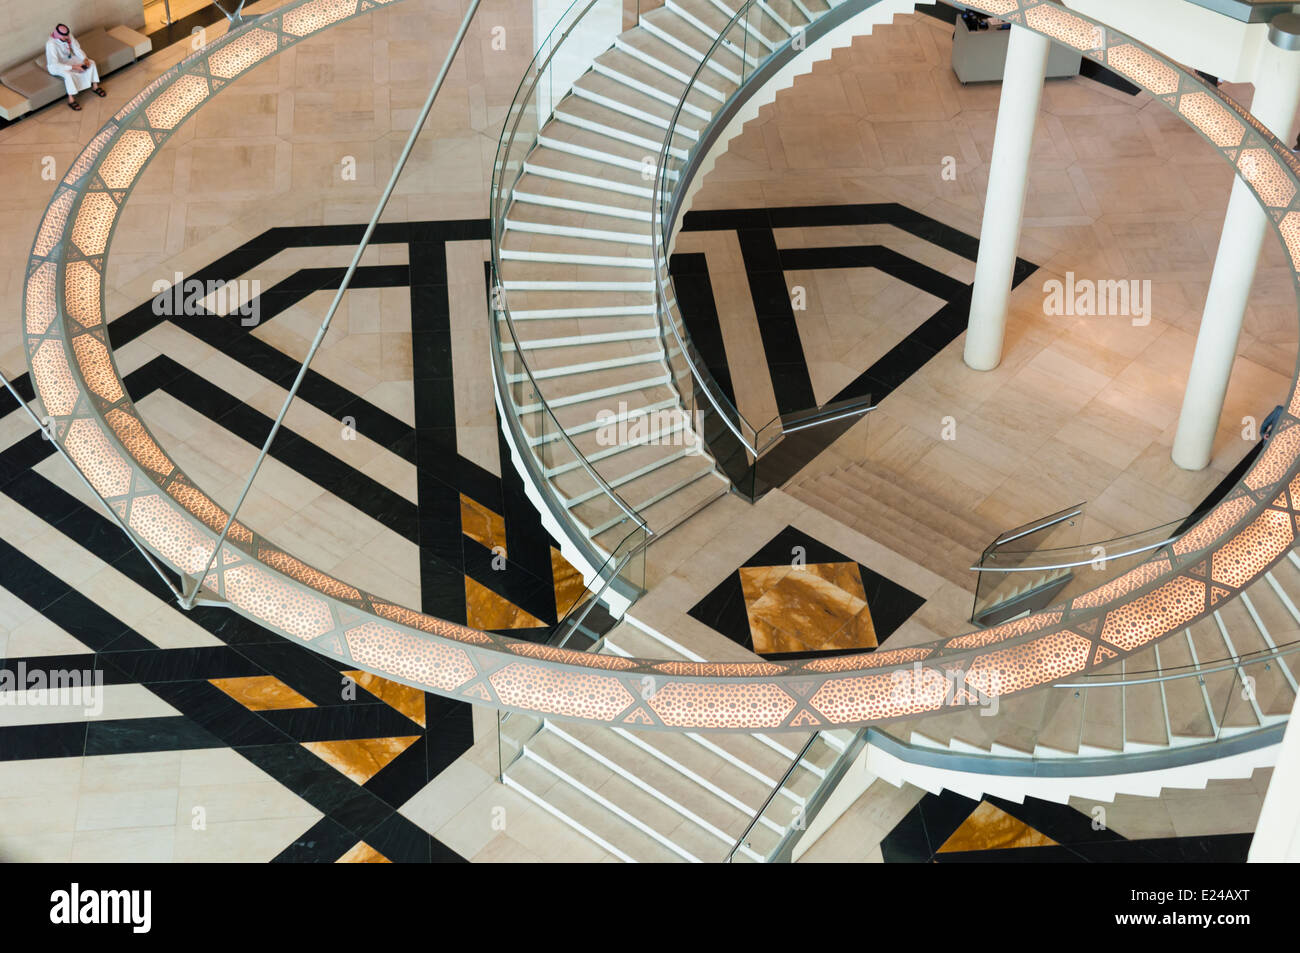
{"x": 31, "y": 81}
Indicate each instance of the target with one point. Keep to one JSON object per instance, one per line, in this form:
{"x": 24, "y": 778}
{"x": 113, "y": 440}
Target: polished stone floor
{"x": 1081, "y": 408}
{"x": 281, "y": 755}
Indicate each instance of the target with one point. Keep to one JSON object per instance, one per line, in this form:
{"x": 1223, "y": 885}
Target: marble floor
{"x": 290, "y": 759}
{"x": 1118, "y": 189}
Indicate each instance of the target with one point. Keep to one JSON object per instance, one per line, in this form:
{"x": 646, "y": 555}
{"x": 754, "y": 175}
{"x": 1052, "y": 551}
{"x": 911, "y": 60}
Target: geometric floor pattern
{"x": 797, "y": 596}
{"x": 352, "y": 746}
{"x": 766, "y": 267}
{"x": 949, "y": 828}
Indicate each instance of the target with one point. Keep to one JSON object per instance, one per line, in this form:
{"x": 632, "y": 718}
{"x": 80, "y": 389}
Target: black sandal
{"x": 99, "y": 91}
{"x": 74, "y": 105}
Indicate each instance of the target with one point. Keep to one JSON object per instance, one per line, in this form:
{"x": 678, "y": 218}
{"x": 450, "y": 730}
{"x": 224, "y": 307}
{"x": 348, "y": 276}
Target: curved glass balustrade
{"x": 759, "y": 34}
{"x": 543, "y": 444}
{"x": 1047, "y": 562}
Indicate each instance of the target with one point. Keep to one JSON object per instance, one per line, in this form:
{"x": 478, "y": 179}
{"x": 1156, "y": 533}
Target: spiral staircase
{"x": 576, "y": 262}
{"x": 1208, "y": 624}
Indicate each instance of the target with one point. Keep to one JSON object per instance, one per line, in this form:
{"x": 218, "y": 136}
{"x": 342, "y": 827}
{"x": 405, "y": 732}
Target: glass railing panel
{"x": 1233, "y": 700}
{"x": 1014, "y": 572}
{"x": 782, "y": 812}
{"x": 563, "y": 56}
{"x": 1193, "y": 687}
{"x": 586, "y": 618}
{"x": 1019, "y": 575}
{"x": 514, "y": 729}
{"x": 756, "y": 31}
{"x": 1267, "y": 681}
{"x": 728, "y": 63}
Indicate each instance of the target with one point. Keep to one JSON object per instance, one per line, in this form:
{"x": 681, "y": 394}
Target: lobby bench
{"x": 29, "y": 82}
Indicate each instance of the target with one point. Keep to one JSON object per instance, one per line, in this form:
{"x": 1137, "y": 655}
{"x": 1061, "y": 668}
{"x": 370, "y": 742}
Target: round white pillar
{"x": 1004, "y": 203}
{"x": 1277, "y": 96}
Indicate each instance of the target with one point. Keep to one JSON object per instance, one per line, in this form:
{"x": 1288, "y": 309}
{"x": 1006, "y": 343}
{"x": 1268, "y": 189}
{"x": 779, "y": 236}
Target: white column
{"x": 1277, "y": 95}
{"x": 1277, "y": 834}
{"x": 1004, "y": 205}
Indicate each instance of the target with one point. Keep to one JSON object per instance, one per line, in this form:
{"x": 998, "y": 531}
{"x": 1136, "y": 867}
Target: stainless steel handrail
{"x": 771, "y": 796}
{"x": 1082, "y": 562}
{"x": 1188, "y": 671}
{"x": 662, "y": 307}
{"x": 1036, "y": 525}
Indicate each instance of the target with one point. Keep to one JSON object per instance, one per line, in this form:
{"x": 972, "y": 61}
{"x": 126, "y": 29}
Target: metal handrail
{"x": 498, "y": 214}
{"x": 595, "y": 596}
{"x": 1082, "y": 562}
{"x": 771, "y": 796}
{"x": 863, "y": 407}
{"x": 1035, "y": 525}
{"x": 656, "y": 231}
{"x": 1188, "y": 671}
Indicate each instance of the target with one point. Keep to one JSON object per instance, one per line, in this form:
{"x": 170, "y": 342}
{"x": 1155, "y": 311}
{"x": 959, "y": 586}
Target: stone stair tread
{"x": 544, "y": 157}
{"x": 645, "y": 487}
{"x": 1144, "y": 705}
{"x": 551, "y": 359}
{"x": 627, "y": 65}
{"x": 885, "y": 525}
{"x": 622, "y": 793}
{"x": 534, "y": 183}
{"x": 674, "y": 58}
{"x": 664, "y": 514}
{"x": 670, "y": 23}
{"x": 574, "y": 804}
{"x": 717, "y": 21}
{"x": 607, "y": 241}
{"x": 582, "y": 108}
{"x": 663, "y": 778}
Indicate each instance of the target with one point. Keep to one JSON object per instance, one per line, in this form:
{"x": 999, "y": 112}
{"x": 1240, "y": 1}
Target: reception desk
{"x": 978, "y": 56}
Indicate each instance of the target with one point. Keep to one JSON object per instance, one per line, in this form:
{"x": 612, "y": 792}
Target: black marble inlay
{"x": 136, "y": 735}
{"x": 273, "y": 740}
{"x": 55, "y": 740}
{"x": 918, "y": 837}
{"x": 323, "y": 843}
{"x": 723, "y": 609}
{"x": 766, "y": 266}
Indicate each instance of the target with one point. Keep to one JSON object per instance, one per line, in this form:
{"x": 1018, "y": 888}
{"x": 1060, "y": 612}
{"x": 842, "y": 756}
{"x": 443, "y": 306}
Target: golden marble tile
{"x": 360, "y": 760}
{"x": 991, "y": 828}
{"x": 819, "y": 606}
{"x": 481, "y": 524}
{"x": 262, "y": 693}
{"x": 569, "y": 587}
{"x": 409, "y": 701}
{"x": 486, "y": 610}
{"x": 363, "y": 853}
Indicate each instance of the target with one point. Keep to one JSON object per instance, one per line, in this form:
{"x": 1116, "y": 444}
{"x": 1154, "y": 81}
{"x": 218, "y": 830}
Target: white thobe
{"x": 61, "y": 63}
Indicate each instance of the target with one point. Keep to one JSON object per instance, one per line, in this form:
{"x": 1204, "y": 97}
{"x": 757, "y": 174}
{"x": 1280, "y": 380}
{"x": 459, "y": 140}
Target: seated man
{"x": 65, "y": 59}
